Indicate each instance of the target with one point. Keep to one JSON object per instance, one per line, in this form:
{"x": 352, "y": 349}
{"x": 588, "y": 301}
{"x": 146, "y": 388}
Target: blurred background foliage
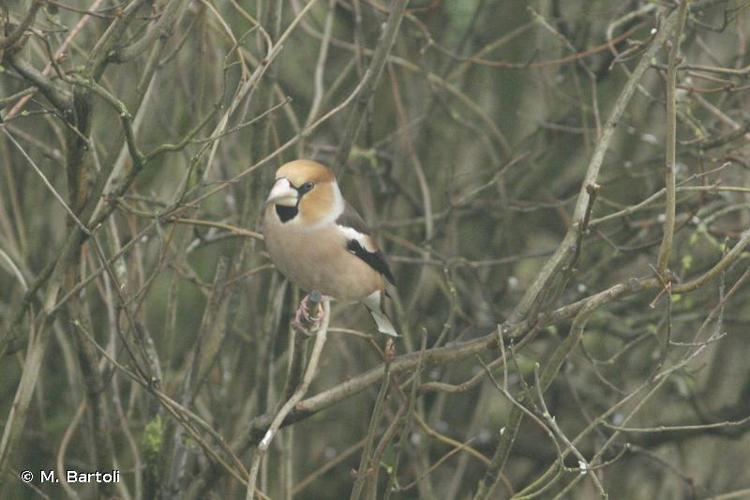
{"x": 468, "y": 165}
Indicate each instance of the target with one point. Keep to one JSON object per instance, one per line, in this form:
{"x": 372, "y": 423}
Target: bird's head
{"x": 305, "y": 190}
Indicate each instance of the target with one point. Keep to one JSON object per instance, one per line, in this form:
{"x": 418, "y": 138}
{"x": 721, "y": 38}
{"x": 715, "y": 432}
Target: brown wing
{"x": 351, "y": 218}
{"x": 359, "y": 242}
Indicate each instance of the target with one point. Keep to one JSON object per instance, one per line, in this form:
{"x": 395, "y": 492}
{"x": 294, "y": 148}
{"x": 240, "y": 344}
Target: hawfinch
{"x": 318, "y": 241}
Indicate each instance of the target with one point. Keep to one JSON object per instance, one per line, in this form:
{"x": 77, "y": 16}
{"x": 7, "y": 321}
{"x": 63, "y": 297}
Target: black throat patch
{"x": 287, "y": 213}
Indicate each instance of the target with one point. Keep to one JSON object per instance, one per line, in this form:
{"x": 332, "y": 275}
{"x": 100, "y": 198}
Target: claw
{"x": 309, "y": 315}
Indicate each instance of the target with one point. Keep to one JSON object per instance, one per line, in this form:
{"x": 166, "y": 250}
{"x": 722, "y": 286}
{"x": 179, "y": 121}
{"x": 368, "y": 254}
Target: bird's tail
{"x": 384, "y": 324}
{"x": 374, "y": 305}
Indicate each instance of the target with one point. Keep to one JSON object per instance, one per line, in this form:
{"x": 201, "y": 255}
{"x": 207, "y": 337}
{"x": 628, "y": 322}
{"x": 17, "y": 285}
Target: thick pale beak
{"x": 283, "y": 194}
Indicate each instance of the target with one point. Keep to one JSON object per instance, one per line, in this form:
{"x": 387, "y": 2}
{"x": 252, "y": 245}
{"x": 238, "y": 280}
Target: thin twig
{"x": 369, "y": 83}
{"x": 310, "y": 372}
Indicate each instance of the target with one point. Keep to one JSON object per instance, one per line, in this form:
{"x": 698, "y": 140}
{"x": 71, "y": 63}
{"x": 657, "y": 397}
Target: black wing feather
{"x": 375, "y": 260}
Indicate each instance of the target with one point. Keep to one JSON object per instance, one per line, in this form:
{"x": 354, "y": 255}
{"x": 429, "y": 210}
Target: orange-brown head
{"x": 306, "y": 191}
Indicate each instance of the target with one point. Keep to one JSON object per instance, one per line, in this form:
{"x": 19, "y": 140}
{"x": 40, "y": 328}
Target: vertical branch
{"x": 317, "y": 98}
{"x": 206, "y": 347}
{"x": 408, "y": 420}
{"x": 365, "y": 464}
{"x": 369, "y": 83}
{"x": 563, "y": 252}
{"x": 665, "y": 249}
{"x": 312, "y": 367}
{"x": 16, "y": 419}
{"x": 97, "y": 401}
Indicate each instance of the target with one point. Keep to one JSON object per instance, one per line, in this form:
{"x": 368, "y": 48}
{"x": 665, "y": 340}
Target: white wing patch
{"x": 352, "y": 234}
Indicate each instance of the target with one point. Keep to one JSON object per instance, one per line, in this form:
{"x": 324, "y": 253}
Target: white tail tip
{"x": 384, "y": 324}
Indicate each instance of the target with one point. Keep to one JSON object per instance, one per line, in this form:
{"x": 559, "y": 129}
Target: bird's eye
{"x": 307, "y": 186}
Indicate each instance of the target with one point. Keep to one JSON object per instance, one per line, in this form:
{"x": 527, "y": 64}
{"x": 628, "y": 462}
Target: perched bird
{"x": 318, "y": 241}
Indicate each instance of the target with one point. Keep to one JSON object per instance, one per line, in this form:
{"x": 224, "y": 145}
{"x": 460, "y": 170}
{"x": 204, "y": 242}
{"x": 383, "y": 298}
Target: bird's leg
{"x": 309, "y": 314}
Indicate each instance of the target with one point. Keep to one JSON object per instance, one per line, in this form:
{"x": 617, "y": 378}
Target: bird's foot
{"x": 309, "y": 315}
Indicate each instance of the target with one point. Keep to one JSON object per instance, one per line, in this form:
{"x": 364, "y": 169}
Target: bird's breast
{"x": 317, "y": 259}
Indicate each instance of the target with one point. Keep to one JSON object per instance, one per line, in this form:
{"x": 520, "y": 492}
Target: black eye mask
{"x": 305, "y": 188}
{"x": 288, "y": 213}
